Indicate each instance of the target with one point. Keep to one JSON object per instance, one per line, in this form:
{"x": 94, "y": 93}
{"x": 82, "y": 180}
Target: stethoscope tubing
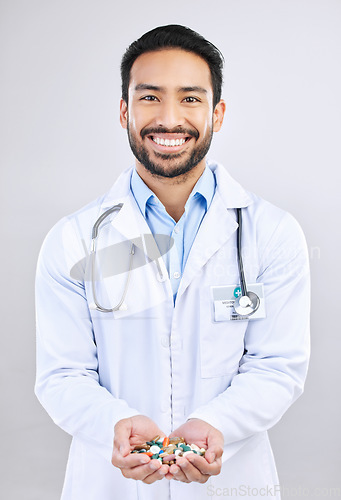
{"x": 239, "y": 252}
{"x": 250, "y": 299}
{"x": 120, "y": 304}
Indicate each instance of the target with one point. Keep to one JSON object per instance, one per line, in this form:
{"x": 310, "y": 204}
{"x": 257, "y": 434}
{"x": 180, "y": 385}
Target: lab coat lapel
{"x": 148, "y": 268}
{"x": 218, "y": 225}
{"x": 216, "y": 229}
{"x": 129, "y": 221}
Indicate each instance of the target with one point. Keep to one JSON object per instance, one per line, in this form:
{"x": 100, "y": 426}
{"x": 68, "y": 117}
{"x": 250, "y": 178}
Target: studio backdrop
{"x": 62, "y": 146}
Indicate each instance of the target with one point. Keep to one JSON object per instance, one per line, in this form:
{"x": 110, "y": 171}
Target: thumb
{"x": 122, "y": 435}
{"x": 215, "y": 448}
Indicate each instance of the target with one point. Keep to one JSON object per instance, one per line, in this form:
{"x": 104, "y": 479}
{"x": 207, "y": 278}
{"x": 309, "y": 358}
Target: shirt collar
{"x": 205, "y": 188}
{"x": 141, "y": 192}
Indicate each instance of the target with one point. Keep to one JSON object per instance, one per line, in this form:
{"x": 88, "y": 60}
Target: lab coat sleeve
{"x": 273, "y": 369}
{"x": 67, "y": 382}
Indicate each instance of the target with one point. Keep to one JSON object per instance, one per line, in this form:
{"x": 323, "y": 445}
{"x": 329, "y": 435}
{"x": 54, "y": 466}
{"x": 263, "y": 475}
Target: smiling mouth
{"x": 169, "y": 142}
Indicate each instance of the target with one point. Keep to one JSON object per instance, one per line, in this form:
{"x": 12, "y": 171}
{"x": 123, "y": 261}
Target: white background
{"x": 62, "y": 146}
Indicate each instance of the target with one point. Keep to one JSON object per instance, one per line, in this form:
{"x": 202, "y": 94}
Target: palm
{"x": 198, "y": 432}
{"x": 191, "y": 434}
{"x": 143, "y": 429}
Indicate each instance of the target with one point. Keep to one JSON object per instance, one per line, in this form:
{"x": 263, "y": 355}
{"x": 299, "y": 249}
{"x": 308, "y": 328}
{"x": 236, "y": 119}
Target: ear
{"x": 123, "y": 113}
{"x": 218, "y": 115}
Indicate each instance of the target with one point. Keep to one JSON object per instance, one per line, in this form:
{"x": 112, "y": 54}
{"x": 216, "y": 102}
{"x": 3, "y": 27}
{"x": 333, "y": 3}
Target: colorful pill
{"x": 154, "y": 449}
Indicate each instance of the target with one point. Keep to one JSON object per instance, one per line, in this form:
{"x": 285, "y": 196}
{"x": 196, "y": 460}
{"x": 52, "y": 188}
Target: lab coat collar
{"x": 129, "y": 221}
{"x": 233, "y": 195}
{"x": 229, "y": 195}
{"x": 231, "y": 192}
{"x": 119, "y": 191}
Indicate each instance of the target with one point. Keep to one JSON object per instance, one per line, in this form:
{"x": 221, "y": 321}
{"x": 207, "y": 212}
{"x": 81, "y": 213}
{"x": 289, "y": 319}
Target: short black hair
{"x": 175, "y": 36}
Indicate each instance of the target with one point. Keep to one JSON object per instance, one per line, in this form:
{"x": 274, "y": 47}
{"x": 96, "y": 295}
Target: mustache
{"x": 163, "y": 130}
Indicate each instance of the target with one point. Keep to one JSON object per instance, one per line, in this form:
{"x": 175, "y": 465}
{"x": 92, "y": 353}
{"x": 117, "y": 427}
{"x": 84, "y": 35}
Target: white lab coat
{"x": 172, "y": 362}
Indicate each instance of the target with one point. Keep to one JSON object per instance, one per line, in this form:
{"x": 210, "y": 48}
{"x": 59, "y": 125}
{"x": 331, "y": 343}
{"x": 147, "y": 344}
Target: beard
{"x": 181, "y": 166}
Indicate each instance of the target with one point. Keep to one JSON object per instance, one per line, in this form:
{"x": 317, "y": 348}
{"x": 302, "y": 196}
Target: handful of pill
{"x": 167, "y": 449}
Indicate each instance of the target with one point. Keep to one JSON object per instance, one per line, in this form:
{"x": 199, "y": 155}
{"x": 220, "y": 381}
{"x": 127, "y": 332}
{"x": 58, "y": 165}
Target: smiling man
{"x": 170, "y": 123}
{"x": 179, "y": 340}
{"x": 170, "y": 112}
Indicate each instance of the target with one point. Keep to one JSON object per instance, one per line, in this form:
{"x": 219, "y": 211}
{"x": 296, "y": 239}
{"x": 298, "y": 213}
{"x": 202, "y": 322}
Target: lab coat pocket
{"x": 221, "y": 343}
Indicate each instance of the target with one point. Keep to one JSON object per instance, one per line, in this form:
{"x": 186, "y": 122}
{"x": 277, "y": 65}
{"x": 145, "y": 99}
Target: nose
{"x": 170, "y": 114}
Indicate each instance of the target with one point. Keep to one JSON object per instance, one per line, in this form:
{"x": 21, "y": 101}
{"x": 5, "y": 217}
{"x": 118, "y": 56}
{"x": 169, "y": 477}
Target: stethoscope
{"x": 248, "y": 302}
{"x": 96, "y": 305}
{"x": 244, "y": 305}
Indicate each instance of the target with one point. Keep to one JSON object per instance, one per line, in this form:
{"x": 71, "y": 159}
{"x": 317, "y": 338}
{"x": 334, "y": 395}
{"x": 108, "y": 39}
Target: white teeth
{"x": 169, "y": 142}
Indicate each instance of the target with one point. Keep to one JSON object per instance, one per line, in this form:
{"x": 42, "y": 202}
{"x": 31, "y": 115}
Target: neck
{"x": 172, "y": 192}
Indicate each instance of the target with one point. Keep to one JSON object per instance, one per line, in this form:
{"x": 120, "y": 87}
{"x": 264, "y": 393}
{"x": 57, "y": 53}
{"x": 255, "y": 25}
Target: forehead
{"x": 169, "y": 68}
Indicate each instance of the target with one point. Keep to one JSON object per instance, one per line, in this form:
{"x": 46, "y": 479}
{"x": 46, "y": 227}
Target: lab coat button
{"x": 176, "y": 229}
{"x": 165, "y": 341}
{"x": 176, "y": 275}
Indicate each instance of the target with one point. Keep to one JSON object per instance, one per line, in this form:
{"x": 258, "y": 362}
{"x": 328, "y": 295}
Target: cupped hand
{"x": 193, "y": 467}
{"x": 130, "y": 432}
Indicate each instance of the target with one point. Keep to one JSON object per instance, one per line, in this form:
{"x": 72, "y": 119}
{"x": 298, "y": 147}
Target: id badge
{"x": 224, "y": 297}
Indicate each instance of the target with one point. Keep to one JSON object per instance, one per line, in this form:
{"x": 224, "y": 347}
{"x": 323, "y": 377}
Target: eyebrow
{"x": 156, "y": 88}
{"x": 147, "y": 86}
{"x": 196, "y": 88}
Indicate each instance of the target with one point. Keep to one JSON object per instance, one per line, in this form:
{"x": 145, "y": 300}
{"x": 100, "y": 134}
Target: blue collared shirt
{"x": 182, "y": 232}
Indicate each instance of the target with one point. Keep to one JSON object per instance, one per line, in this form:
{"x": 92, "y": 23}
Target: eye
{"x": 191, "y": 99}
{"x": 148, "y": 98}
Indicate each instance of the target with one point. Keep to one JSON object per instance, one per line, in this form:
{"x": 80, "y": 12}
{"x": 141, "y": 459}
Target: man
{"x": 141, "y": 338}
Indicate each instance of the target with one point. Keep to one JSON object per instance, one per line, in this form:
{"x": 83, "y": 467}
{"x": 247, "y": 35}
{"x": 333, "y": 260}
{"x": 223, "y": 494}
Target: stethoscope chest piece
{"x": 246, "y": 304}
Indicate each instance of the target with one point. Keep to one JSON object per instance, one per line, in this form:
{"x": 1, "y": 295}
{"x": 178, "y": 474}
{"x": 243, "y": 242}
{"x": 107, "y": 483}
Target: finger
{"x": 176, "y": 473}
{"x": 141, "y": 472}
{"x": 205, "y": 468}
{"x": 215, "y": 446}
{"x": 191, "y": 472}
{"x": 122, "y": 435}
{"x": 157, "y": 475}
{"x": 129, "y": 461}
